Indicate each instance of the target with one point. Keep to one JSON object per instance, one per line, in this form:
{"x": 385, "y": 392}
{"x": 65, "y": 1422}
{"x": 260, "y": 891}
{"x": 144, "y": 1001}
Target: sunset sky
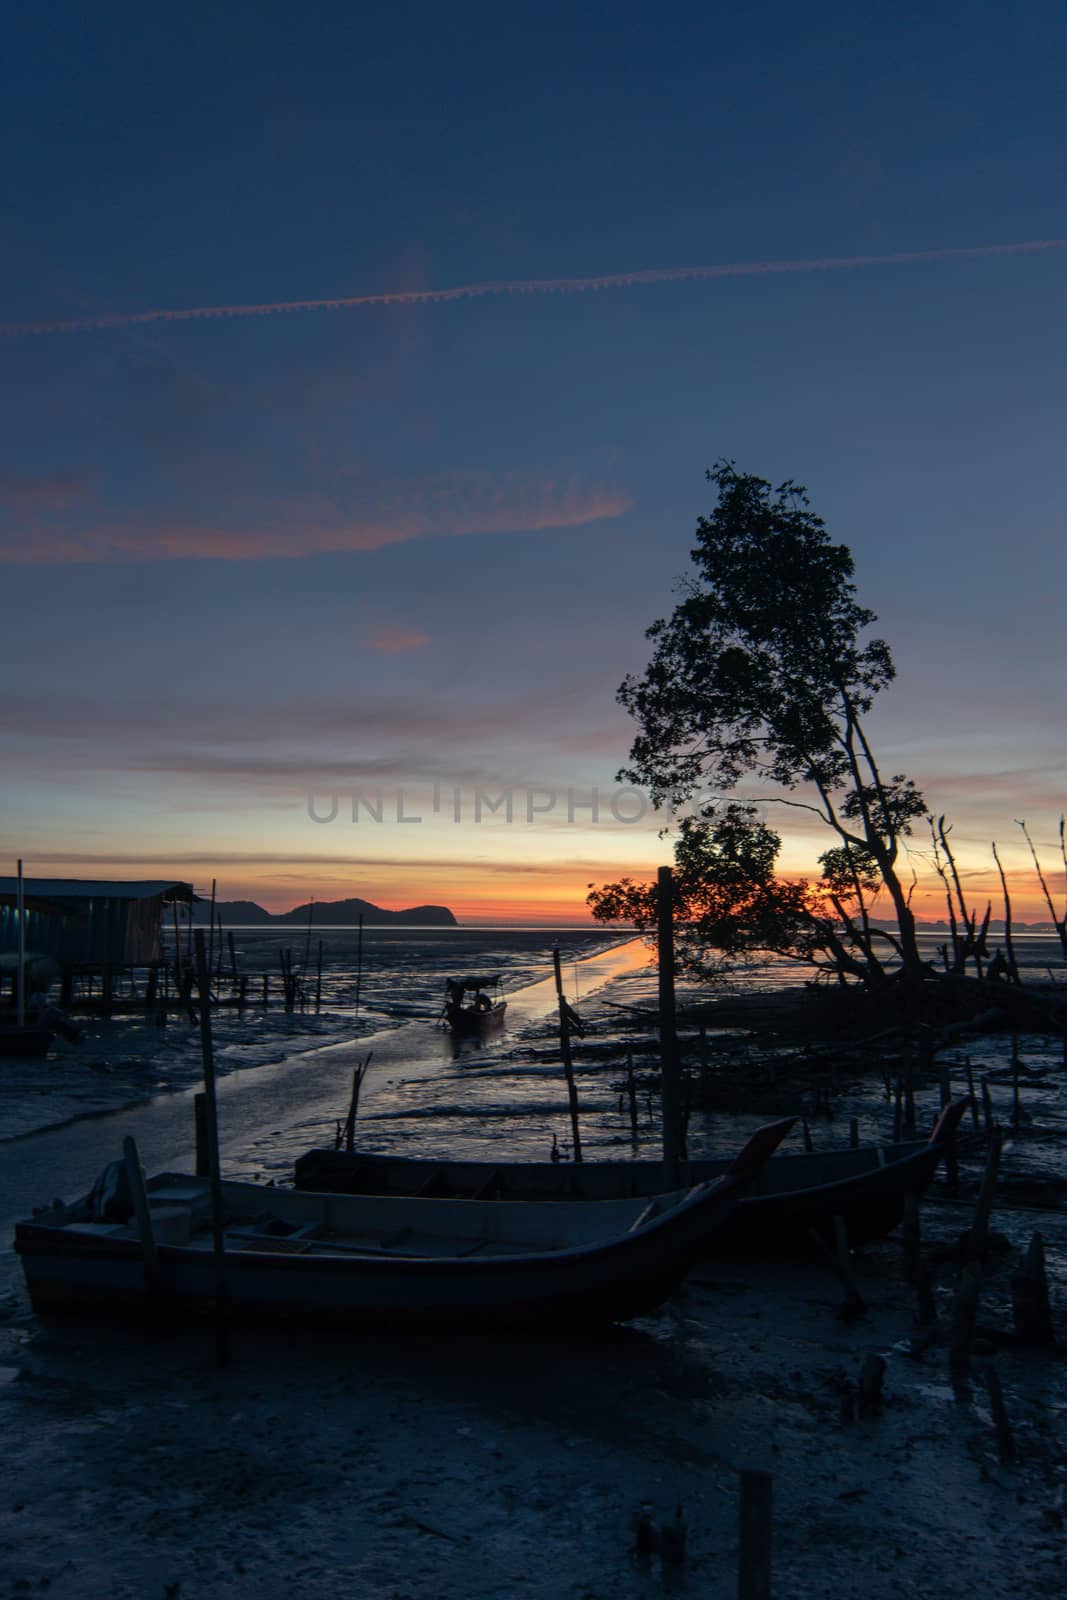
{"x": 247, "y": 558}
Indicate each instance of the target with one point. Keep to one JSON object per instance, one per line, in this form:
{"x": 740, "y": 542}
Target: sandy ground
{"x": 405, "y": 1470}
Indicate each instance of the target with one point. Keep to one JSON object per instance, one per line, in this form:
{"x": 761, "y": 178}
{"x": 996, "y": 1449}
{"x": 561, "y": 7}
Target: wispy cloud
{"x": 397, "y": 641}
{"x": 50, "y": 492}
{"x": 452, "y": 506}
{"x": 521, "y": 286}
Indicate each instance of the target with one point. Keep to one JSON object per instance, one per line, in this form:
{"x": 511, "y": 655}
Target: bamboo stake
{"x": 565, "y": 1051}
{"x": 177, "y": 947}
{"x": 359, "y": 1072}
{"x": 222, "y": 1342}
{"x": 359, "y": 961}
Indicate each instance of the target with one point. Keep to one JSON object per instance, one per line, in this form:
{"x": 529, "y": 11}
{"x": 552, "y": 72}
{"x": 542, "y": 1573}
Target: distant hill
{"x": 325, "y": 914}
{"x": 334, "y": 913}
{"x": 234, "y": 913}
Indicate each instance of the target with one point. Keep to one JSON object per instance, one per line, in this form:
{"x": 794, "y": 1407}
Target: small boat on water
{"x": 473, "y": 1004}
{"x": 866, "y": 1187}
{"x": 370, "y": 1260}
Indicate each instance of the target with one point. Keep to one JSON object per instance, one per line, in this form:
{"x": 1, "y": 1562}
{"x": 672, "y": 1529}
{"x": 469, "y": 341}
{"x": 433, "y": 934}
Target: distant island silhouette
{"x": 324, "y": 914}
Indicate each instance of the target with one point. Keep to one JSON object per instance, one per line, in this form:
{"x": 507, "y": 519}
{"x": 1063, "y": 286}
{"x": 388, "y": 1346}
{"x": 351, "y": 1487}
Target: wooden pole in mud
{"x": 670, "y": 1076}
{"x": 307, "y": 955}
{"x": 20, "y": 976}
{"x": 631, "y": 1089}
{"x": 210, "y": 938}
{"x": 177, "y": 946}
{"x": 754, "y": 1553}
{"x": 565, "y": 1051}
{"x": 222, "y": 1342}
{"x": 359, "y": 960}
{"x": 318, "y": 981}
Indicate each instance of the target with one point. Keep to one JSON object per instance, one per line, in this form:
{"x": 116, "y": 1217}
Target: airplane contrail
{"x": 478, "y": 291}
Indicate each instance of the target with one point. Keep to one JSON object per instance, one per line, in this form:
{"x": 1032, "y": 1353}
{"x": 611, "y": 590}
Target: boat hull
{"x": 464, "y": 1019}
{"x": 77, "y": 1268}
{"x": 867, "y": 1188}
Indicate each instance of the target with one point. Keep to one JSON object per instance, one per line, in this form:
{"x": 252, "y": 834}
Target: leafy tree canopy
{"x": 761, "y": 672}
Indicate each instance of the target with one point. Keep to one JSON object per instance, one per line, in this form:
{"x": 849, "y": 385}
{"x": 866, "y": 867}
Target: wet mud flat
{"x": 408, "y": 1469}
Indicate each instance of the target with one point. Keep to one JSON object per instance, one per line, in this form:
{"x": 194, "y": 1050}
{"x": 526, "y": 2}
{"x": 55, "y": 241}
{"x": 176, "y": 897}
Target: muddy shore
{"x": 319, "y": 1466}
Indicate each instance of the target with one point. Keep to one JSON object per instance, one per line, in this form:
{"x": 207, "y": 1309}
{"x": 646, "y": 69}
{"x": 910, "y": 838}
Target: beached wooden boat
{"x": 373, "y": 1260}
{"x": 473, "y": 1005}
{"x": 866, "y": 1187}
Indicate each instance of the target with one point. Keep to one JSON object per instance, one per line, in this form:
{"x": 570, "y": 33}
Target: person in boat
{"x": 455, "y": 993}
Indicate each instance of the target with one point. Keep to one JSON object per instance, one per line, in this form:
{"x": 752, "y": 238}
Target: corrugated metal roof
{"x": 97, "y": 888}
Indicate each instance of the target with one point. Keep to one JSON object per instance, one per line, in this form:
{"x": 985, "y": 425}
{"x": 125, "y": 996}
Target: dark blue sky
{"x": 240, "y": 555}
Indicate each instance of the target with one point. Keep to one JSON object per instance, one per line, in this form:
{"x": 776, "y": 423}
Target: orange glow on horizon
{"x": 533, "y": 892}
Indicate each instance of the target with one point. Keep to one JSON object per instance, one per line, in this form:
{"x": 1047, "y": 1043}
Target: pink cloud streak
{"x": 480, "y": 291}
{"x": 395, "y": 641}
{"x": 439, "y": 509}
